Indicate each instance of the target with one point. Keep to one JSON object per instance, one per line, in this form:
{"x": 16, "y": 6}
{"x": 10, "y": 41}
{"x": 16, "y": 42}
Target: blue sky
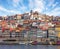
{"x": 11, "y": 7}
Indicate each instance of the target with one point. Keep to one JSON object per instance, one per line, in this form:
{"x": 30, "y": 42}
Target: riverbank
{"x": 23, "y": 43}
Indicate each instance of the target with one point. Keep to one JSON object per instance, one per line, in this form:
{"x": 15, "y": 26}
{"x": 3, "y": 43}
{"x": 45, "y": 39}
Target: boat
{"x": 22, "y": 43}
{"x": 58, "y": 43}
{"x": 34, "y": 43}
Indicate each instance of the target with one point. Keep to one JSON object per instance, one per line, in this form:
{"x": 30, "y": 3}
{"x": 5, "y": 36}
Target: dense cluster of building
{"x": 30, "y": 26}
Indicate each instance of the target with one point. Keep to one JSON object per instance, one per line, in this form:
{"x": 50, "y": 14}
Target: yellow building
{"x": 57, "y": 28}
{"x": 58, "y": 34}
{"x": 19, "y": 16}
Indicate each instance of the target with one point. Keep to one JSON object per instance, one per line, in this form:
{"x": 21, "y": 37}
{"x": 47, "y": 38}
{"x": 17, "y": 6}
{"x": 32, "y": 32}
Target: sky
{"x": 11, "y": 7}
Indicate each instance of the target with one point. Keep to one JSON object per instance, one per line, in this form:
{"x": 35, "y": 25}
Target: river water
{"x": 29, "y": 47}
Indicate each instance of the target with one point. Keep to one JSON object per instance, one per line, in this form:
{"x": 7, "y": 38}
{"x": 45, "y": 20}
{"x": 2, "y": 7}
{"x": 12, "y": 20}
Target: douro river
{"x": 29, "y": 47}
